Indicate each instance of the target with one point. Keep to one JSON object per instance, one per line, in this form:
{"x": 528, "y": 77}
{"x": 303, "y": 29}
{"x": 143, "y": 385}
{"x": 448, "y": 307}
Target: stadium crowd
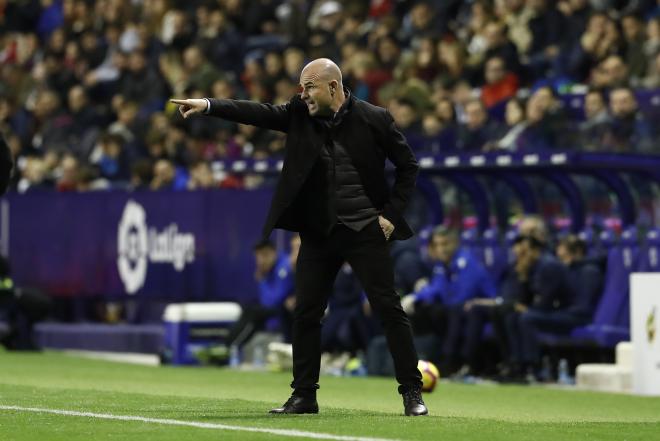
{"x": 84, "y": 84}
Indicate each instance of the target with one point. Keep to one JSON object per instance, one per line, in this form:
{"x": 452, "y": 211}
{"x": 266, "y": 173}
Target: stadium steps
{"x": 615, "y": 377}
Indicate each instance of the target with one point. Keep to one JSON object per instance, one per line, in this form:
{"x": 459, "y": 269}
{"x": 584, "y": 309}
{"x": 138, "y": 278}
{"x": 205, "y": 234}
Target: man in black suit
{"x": 6, "y": 165}
{"x": 333, "y": 191}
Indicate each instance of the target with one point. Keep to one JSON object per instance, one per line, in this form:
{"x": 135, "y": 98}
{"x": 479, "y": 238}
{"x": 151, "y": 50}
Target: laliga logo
{"x": 138, "y": 245}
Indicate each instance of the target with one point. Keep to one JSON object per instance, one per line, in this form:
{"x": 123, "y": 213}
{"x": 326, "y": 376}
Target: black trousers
{"x": 319, "y": 260}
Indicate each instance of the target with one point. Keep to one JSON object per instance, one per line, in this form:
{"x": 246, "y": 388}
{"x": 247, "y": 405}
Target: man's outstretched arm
{"x": 267, "y": 116}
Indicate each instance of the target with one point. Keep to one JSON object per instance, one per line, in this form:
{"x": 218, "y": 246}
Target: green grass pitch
{"x": 350, "y": 407}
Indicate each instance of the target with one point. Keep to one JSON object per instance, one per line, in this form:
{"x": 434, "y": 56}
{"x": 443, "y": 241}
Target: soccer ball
{"x": 430, "y": 375}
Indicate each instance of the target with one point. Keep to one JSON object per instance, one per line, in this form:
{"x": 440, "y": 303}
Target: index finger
{"x": 178, "y": 101}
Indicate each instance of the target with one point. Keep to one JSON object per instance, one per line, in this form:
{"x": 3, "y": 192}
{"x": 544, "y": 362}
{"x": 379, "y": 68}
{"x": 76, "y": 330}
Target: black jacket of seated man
{"x": 6, "y": 164}
{"x": 369, "y": 137}
{"x": 319, "y": 195}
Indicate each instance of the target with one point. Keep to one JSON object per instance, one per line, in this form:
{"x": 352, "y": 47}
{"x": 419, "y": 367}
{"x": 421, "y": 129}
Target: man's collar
{"x": 346, "y": 104}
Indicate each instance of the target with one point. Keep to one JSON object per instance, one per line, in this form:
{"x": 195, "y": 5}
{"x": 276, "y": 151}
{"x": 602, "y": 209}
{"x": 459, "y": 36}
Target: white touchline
{"x": 197, "y": 424}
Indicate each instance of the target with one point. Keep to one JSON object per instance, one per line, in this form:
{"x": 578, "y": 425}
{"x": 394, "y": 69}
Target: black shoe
{"x": 413, "y": 404}
{"x": 297, "y": 404}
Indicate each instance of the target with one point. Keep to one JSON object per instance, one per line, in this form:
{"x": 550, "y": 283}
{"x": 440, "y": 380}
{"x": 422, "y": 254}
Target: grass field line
{"x": 196, "y": 424}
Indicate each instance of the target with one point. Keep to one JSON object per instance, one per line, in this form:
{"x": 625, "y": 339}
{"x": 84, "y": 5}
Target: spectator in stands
{"x": 596, "y": 120}
{"x": 516, "y": 17}
{"x": 426, "y": 63}
{"x": 274, "y": 276}
{"x": 652, "y": 79}
{"x": 547, "y": 125}
{"x": 438, "y": 307}
{"x": 201, "y": 177}
{"x": 127, "y": 125}
{"x": 498, "y": 45}
{"x": 478, "y": 130}
{"x": 628, "y": 130}
{"x": 501, "y": 84}
{"x": 451, "y": 62}
{"x": 407, "y": 120}
{"x": 418, "y": 23}
{"x": 444, "y": 110}
{"x": 516, "y": 123}
{"x": 141, "y": 83}
{"x": 432, "y": 131}
{"x": 111, "y": 158}
{"x": 610, "y": 73}
{"x": 546, "y": 26}
{"x": 442, "y": 138}
{"x": 634, "y": 57}
{"x": 294, "y": 61}
{"x": 49, "y": 125}
{"x": 221, "y": 43}
{"x": 165, "y": 176}
{"x": 652, "y": 43}
{"x": 599, "y": 40}
{"x": 198, "y": 72}
{"x": 476, "y": 23}
{"x": 141, "y": 175}
{"x": 85, "y": 121}
{"x": 34, "y": 176}
{"x": 576, "y": 13}
{"x": 68, "y": 174}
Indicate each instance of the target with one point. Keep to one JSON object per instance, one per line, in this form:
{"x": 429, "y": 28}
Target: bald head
{"x": 322, "y": 87}
{"x": 324, "y": 68}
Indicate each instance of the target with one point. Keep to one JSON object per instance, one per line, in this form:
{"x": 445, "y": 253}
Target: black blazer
{"x": 367, "y": 132}
{"x": 6, "y": 164}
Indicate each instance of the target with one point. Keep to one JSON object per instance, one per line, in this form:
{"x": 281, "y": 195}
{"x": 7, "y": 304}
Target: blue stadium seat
{"x": 611, "y": 323}
{"x": 588, "y": 235}
{"x": 509, "y": 237}
{"x": 471, "y": 241}
{"x": 607, "y": 239}
{"x": 649, "y": 259}
{"x": 495, "y": 255}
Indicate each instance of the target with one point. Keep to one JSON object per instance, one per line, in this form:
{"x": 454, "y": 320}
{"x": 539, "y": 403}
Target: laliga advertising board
{"x": 138, "y": 245}
{"x": 645, "y": 320}
{"x": 167, "y": 246}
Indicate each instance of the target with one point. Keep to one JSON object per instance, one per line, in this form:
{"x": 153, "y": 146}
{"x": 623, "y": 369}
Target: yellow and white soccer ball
{"x": 430, "y": 375}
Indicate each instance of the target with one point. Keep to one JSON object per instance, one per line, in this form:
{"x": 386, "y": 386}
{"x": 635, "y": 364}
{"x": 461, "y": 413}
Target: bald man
{"x": 333, "y": 191}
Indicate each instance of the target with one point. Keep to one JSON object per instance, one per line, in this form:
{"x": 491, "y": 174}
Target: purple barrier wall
{"x": 167, "y": 245}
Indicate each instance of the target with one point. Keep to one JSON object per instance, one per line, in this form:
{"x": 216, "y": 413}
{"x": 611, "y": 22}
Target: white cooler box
{"x": 190, "y": 327}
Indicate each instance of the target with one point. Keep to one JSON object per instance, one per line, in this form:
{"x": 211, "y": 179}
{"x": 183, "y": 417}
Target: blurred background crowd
{"x": 84, "y": 84}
